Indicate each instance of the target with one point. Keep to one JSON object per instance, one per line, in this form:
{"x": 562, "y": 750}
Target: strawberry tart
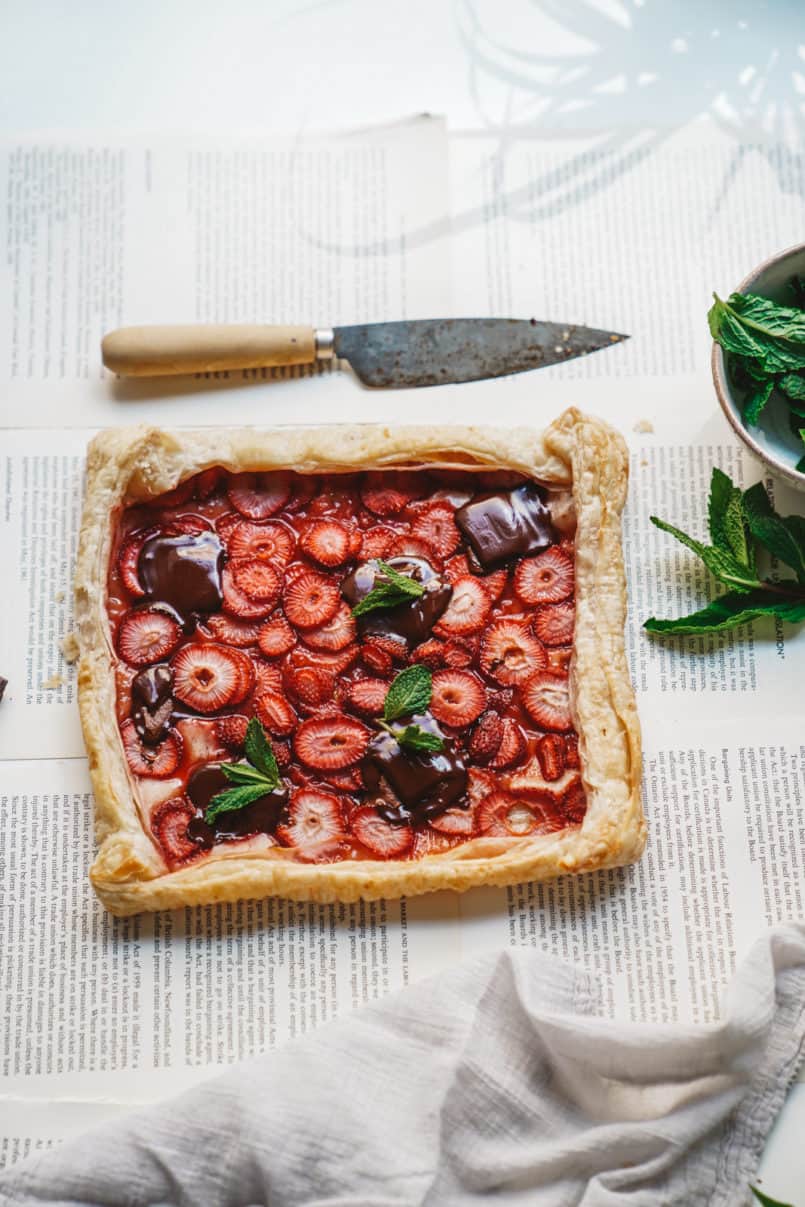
{"x": 354, "y": 662}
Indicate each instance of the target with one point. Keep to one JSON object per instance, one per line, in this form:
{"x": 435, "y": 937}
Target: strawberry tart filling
{"x": 354, "y": 666}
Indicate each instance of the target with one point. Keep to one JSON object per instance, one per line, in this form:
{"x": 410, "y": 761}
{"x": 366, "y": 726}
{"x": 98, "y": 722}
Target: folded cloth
{"x": 494, "y": 1079}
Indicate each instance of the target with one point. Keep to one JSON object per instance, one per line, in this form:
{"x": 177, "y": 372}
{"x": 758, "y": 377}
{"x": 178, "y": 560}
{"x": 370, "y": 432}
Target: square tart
{"x": 539, "y": 774}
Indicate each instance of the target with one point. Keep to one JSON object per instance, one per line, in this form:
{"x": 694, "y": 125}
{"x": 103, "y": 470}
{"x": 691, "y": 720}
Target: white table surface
{"x": 290, "y": 66}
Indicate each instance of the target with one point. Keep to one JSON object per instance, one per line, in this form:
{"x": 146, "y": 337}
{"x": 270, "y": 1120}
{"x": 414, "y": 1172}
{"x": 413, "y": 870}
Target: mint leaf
{"x": 793, "y": 386}
{"x": 730, "y": 610}
{"x": 782, "y": 536}
{"x": 800, "y": 465}
{"x": 259, "y": 753}
{"x": 388, "y": 591}
{"x": 242, "y": 773}
{"x": 726, "y": 519}
{"x": 767, "y": 318}
{"x": 233, "y": 798}
{"x": 721, "y": 563}
{"x": 415, "y": 738}
{"x": 756, "y": 402}
{"x": 409, "y": 693}
{"x": 753, "y": 327}
{"x": 764, "y": 1199}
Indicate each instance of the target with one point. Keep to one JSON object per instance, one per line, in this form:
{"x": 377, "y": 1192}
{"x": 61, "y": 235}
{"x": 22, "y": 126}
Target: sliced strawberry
{"x": 330, "y": 743}
{"x": 231, "y": 731}
{"x": 282, "y": 753}
{"x": 551, "y": 754}
{"x": 276, "y": 637}
{"x": 229, "y": 631}
{"x": 155, "y": 762}
{"x": 500, "y": 698}
{"x": 207, "y": 482}
{"x": 460, "y": 653}
{"x": 239, "y": 603}
{"x": 380, "y": 836}
{"x": 430, "y": 653}
{"x": 554, "y": 624}
{"x": 458, "y": 698}
{"x": 572, "y": 751}
{"x": 574, "y": 803}
{"x": 559, "y": 657}
{"x": 486, "y": 736}
{"x": 311, "y": 685}
{"x": 546, "y": 578}
{"x": 435, "y": 525}
{"x": 326, "y": 542}
{"x": 495, "y": 583}
{"x": 347, "y": 780}
{"x": 502, "y": 815}
{"x": 189, "y": 524}
{"x": 271, "y": 542}
{"x": 315, "y": 821}
{"x": 376, "y": 542}
{"x": 336, "y": 634}
{"x": 455, "y": 821}
{"x": 267, "y": 677}
{"x": 129, "y": 557}
{"x": 258, "y": 580}
{"x": 169, "y": 823}
{"x": 509, "y": 652}
{"x": 431, "y": 842}
{"x": 479, "y": 785}
{"x": 226, "y": 524}
{"x": 208, "y": 677}
{"x": 547, "y": 701}
{"x": 147, "y": 636}
{"x": 368, "y": 696}
{"x": 275, "y": 713}
{"x": 413, "y": 546}
{"x": 305, "y": 488}
{"x": 390, "y": 493}
{"x": 530, "y": 781}
{"x": 355, "y": 542}
{"x": 259, "y": 496}
{"x": 457, "y": 567}
{"x": 246, "y": 673}
{"x": 468, "y": 609}
{"x": 310, "y": 599}
{"x": 376, "y": 658}
{"x": 513, "y": 746}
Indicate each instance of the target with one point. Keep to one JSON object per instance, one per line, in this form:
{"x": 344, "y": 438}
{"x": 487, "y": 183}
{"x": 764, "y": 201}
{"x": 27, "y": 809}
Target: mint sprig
{"x": 410, "y": 693}
{"x": 390, "y": 589}
{"x": 259, "y": 776}
{"x": 740, "y": 522}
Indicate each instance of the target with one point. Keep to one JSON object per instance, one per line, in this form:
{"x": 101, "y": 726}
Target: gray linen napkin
{"x": 495, "y": 1079}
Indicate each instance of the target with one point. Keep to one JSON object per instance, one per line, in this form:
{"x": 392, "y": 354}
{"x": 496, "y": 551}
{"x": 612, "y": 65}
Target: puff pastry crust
{"x": 575, "y": 452}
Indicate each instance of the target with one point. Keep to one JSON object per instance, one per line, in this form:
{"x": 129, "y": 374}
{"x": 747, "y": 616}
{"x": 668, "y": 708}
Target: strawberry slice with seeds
{"x": 147, "y": 636}
{"x": 458, "y": 698}
{"x": 509, "y": 652}
{"x": 336, "y": 634}
{"x": 226, "y": 524}
{"x": 554, "y": 623}
{"x": 376, "y": 658}
{"x": 239, "y": 603}
{"x": 275, "y": 713}
{"x": 546, "y": 578}
{"x": 230, "y": 631}
{"x": 572, "y": 751}
{"x": 208, "y": 677}
{"x": 502, "y": 815}
{"x": 368, "y": 696}
{"x": 457, "y": 567}
{"x": 207, "y": 482}
{"x": 486, "y": 736}
{"x": 310, "y": 599}
{"x": 327, "y": 542}
{"x": 435, "y": 525}
{"x": 231, "y": 731}
{"x": 258, "y": 580}
{"x": 258, "y": 496}
{"x": 574, "y": 803}
{"x": 128, "y": 560}
{"x": 187, "y": 525}
{"x": 271, "y": 542}
{"x": 413, "y": 546}
{"x": 246, "y": 673}
{"x": 551, "y": 754}
{"x": 430, "y": 653}
{"x": 315, "y": 822}
{"x": 468, "y": 609}
{"x": 276, "y": 637}
{"x": 169, "y": 823}
{"x": 312, "y": 685}
{"x": 154, "y": 762}
{"x": 460, "y": 654}
{"x": 376, "y": 542}
{"x": 455, "y": 821}
{"x": 530, "y": 781}
{"x": 390, "y": 493}
{"x": 348, "y": 780}
{"x": 267, "y": 677}
{"x": 547, "y": 701}
{"x": 513, "y": 746}
{"x": 305, "y": 488}
{"x": 330, "y": 743}
{"x": 380, "y": 836}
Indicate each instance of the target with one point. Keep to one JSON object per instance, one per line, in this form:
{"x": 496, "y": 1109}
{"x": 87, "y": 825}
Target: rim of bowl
{"x": 722, "y": 385}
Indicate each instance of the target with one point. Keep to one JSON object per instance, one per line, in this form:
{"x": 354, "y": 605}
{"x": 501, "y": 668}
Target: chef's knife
{"x": 424, "y": 352}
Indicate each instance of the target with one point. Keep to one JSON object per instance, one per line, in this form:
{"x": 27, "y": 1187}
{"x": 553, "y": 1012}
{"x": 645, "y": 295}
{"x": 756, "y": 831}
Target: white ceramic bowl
{"x": 772, "y": 439}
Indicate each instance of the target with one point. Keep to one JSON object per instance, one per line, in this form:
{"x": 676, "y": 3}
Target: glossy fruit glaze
{"x": 282, "y": 646}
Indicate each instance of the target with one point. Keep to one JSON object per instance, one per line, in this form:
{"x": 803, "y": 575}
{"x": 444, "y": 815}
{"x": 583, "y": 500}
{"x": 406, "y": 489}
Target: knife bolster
{"x": 325, "y": 343}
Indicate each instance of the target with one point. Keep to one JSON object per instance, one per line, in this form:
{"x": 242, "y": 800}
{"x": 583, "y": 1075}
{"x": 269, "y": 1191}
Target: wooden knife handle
{"x": 169, "y": 351}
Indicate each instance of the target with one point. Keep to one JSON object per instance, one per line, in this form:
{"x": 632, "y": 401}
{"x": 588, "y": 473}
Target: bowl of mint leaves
{"x": 759, "y": 362}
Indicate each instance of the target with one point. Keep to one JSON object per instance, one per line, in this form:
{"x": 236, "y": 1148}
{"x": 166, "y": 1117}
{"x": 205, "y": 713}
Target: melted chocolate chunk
{"x": 506, "y": 524}
{"x": 152, "y": 704}
{"x": 425, "y": 783}
{"x": 183, "y": 572}
{"x": 410, "y": 622}
{"x": 260, "y": 817}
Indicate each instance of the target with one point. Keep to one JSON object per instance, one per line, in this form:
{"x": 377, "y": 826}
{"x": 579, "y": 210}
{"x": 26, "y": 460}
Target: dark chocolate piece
{"x": 3, "y": 686}
{"x": 183, "y": 572}
{"x": 152, "y": 703}
{"x": 410, "y": 622}
{"x": 260, "y": 817}
{"x": 506, "y": 524}
{"x": 425, "y": 783}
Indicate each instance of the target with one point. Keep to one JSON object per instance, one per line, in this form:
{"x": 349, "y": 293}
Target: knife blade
{"x": 420, "y": 352}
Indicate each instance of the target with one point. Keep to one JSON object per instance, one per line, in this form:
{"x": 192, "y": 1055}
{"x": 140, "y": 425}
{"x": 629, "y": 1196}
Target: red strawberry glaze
{"x": 317, "y": 682}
